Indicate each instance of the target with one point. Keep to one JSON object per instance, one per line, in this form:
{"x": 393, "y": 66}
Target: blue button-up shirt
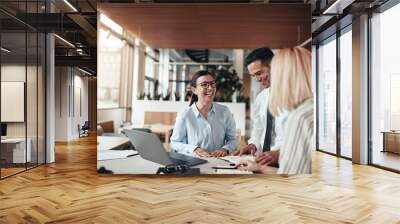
{"x": 193, "y": 130}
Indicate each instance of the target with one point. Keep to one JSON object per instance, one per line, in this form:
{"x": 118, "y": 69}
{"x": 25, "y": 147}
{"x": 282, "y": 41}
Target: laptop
{"x": 150, "y": 147}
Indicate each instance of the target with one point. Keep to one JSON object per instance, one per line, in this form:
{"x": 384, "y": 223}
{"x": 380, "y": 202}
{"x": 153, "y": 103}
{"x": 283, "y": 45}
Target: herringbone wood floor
{"x": 70, "y": 191}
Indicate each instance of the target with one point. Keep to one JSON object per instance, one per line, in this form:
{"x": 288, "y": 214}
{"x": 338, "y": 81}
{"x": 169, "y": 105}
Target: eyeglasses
{"x": 256, "y": 74}
{"x": 205, "y": 85}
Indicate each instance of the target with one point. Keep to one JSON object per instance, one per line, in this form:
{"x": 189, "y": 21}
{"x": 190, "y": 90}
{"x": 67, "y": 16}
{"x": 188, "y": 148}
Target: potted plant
{"x": 227, "y": 82}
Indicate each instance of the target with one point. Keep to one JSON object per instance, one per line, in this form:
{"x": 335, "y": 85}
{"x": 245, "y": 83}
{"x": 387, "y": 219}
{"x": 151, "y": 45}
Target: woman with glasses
{"x": 205, "y": 128}
{"x": 291, "y": 91}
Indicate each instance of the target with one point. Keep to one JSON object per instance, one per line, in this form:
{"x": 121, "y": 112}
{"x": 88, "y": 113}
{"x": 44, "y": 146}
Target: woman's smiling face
{"x": 205, "y": 88}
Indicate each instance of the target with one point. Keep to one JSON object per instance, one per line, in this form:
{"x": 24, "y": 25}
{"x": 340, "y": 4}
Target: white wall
{"x": 14, "y": 73}
{"x": 69, "y": 84}
{"x": 61, "y": 103}
{"x": 79, "y": 117}
{"x": 141, "y": 106}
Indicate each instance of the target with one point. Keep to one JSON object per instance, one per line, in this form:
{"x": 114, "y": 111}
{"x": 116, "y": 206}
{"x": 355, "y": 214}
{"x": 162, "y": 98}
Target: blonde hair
{"x": 290, "y": 79}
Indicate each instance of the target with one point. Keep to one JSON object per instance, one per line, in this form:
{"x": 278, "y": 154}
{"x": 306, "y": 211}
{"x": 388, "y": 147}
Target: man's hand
{"x": 248, "y": 149}
{"x": 202, "y": 152}
{"x": 219, "y": 153}
{"x": 267, "y": 158}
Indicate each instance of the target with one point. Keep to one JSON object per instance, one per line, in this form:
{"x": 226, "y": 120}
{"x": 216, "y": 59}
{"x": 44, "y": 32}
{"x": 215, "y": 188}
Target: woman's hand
{"x": 219, "y": 153}
{"x": 247, "y": 165}
{"x": 202, "y": 152}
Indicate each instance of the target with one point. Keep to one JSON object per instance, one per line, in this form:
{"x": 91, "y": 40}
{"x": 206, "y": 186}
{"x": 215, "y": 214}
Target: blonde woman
{"x": 291, "y": 91}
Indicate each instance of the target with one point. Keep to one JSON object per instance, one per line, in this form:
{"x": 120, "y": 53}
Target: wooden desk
{"x": 391, "y": 141}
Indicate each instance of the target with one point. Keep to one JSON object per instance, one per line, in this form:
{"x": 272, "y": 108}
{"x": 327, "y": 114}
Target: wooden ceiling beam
{"x": 213, "y": 25}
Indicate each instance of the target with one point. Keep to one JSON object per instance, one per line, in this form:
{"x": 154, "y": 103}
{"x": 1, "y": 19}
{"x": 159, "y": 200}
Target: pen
{"x": 132, "y": 155}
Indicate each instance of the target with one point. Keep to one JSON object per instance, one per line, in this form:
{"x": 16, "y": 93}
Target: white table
{"x": 110, "y": 142}
{"x": 108, "y": 147}
{"x": 16, "y": 147}
{"x": 138, "y": 165}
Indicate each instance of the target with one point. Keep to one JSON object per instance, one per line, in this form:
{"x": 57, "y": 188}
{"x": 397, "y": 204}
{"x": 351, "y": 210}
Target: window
{"x": 149, "y": 81}
{"x": 394, "y": 101}
{"x": 327, "y": 95}
{"x": 109, "y": 70}
{"x": 346, "y": 93}
{"x": 385, "y": 86}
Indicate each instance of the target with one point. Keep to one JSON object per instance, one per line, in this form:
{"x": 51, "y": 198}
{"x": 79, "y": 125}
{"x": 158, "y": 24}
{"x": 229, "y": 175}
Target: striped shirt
{"x": 295, "y": 154}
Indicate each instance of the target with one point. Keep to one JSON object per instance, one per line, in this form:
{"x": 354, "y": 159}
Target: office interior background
{"x": 46, "y": 80}
{"x": 51, "y": 88}
{"x": 75, "y": 60}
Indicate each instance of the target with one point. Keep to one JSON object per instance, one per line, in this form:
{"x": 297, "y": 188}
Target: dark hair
{"x": 193, "y": 83}
{"x": 264, "y": 54}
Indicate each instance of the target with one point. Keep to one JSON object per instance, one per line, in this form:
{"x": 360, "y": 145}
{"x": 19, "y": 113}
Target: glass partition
{"x": 31, "y": 98}
{"x": 13, "y": 94}
{"x": 41, "y": 106}
{"x": 22, "y": 88}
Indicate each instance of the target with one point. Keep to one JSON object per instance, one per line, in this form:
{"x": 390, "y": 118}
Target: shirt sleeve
{"x": 258, "y": 125}
{"x": 179, "y": 139}
{"x": 230, "y": 133}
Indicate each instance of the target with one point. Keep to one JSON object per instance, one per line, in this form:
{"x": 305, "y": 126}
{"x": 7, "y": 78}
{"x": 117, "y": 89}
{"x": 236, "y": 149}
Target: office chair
{"x": 84, "y": 130}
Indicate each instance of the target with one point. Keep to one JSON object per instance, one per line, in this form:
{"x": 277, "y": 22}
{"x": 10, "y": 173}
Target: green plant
{"x": 157, "y": 97}
{"x": 167, "y": 97}
{"x": 228, "y": 82}
{"x": 141, "y": 96}
{"x": 177, "y": 96}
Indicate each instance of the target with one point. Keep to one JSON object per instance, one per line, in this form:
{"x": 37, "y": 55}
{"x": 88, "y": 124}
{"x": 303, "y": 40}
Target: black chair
{"x": 84, "y": 130}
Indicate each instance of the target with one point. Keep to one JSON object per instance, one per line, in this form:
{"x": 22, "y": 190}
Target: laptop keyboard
{"x": 179, "y": 158}
{"x": 178, "y": 161}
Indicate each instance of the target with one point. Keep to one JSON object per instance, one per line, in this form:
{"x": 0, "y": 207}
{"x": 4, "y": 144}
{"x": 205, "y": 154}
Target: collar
{"x": 197, "y": 112}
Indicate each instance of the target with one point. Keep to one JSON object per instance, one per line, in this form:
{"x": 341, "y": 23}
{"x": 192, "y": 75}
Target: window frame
{"x": 335, "y": 36}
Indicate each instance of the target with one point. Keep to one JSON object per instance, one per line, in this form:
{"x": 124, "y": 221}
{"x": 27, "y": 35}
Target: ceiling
{"x": 76, "y": 24}
{"x": 207, "y": 1}
{"x": 213, "y": 25}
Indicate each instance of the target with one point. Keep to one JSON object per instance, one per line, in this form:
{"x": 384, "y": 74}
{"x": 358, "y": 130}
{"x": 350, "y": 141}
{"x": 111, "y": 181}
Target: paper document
{"x": 115, "y": 154}
{"x": 236, "y": 159}
{"x": 231, "y": 171}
